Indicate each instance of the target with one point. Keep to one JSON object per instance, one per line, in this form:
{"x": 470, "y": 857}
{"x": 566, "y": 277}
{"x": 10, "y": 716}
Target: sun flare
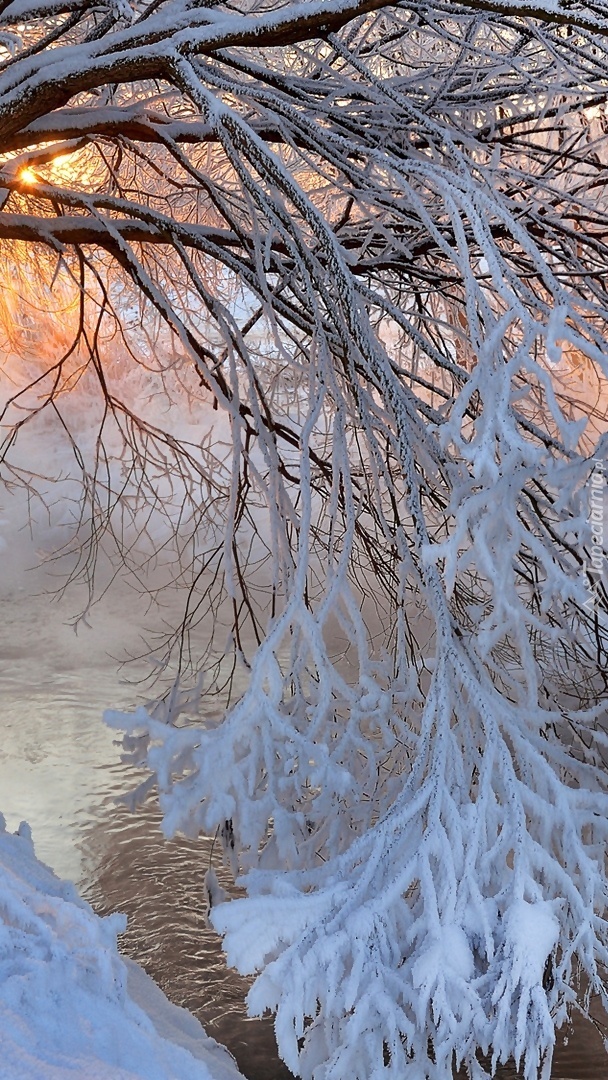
{"x": 63, "y": 169}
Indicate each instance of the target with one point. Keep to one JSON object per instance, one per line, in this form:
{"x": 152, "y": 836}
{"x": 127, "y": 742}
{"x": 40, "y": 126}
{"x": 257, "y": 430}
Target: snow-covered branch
{"x": 372, "y": 237}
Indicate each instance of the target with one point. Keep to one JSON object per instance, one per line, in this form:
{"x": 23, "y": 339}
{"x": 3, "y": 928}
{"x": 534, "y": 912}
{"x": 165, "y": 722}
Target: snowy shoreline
{"x": 70, "y": 1004}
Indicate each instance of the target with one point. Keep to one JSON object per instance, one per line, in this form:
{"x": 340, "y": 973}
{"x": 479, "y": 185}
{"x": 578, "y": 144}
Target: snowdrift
{"x": 70, "y": 1005}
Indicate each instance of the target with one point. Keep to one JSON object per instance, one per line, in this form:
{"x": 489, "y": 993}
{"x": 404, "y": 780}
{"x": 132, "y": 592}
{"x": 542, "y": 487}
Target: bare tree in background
{"x": 373, "y": 239}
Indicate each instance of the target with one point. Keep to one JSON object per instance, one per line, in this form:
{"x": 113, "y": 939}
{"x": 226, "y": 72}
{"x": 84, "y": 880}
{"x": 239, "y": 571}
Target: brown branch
{"x": 148, "y": 50}
{"x": 135, "y": 123}
{"x": 62, "y": 231}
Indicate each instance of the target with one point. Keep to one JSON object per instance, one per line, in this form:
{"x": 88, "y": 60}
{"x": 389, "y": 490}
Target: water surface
{"x": 60, "y": 769}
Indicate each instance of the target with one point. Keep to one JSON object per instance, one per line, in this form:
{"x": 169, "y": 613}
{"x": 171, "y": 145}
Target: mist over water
{"x": 60, "y": 768}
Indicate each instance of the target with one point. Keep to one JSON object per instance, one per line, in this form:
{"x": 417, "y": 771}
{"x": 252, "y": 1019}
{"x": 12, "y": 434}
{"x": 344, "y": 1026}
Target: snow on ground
{"x": 71, "y": 1008}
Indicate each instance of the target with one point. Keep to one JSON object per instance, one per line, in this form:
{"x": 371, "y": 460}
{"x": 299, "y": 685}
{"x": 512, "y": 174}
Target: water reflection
{"x": 159, "y": 885}
{"x": 60, "y": 769}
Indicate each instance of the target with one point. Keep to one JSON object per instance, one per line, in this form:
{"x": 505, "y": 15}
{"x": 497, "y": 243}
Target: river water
{"x": 60, "y": 769}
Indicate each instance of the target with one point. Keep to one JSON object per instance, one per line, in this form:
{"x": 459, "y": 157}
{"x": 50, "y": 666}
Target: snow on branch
{"x": 371, "y": 240}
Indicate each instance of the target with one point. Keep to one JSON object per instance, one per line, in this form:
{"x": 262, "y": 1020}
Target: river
{"x": 60, "y": 769}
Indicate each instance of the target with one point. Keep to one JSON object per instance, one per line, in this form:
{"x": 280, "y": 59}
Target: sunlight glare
{"x": 64, "y": 169}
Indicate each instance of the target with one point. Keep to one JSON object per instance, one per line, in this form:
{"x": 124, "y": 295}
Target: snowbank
{"x": 70, "y": 1007}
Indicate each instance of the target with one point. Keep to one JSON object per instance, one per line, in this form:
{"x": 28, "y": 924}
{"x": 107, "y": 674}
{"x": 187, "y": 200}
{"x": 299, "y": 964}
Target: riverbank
{"x": 70, "y": 1004}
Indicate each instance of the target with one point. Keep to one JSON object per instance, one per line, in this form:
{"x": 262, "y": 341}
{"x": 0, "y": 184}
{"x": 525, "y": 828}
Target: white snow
{"x": 70, "y": 1005}
{"x": 532, "y": 932}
